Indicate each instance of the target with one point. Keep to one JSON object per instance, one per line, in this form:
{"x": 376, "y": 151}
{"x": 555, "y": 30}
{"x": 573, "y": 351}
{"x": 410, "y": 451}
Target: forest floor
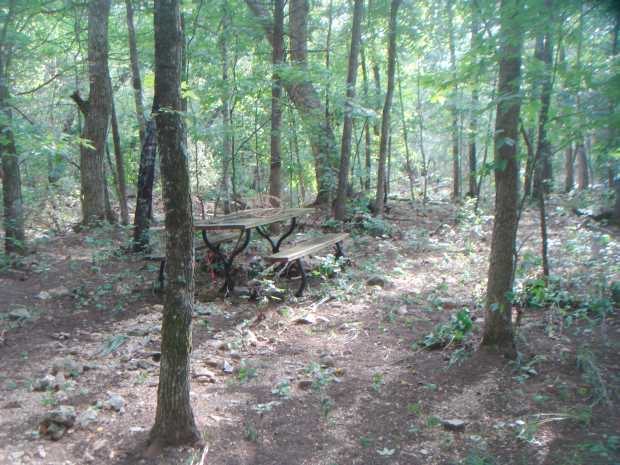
{"x": 338, "y": 377}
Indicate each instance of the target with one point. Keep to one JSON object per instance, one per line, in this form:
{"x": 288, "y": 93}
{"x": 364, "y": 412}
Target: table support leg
{"x": 242, "y": 243}
{"x": 304, "y": 278}
{"x": 275, "y": 246}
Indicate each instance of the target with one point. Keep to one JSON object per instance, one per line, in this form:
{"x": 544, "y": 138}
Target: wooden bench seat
{"x": 296, "y": 252}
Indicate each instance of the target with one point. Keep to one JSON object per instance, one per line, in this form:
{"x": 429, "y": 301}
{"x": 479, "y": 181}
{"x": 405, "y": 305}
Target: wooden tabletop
{"x": 249, "y": 220}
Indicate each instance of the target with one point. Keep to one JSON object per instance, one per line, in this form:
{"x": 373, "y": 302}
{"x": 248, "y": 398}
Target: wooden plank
{"x": 199, "y": 244}
{"x": 307, "y": 247}
{"x": 239, "y": 222}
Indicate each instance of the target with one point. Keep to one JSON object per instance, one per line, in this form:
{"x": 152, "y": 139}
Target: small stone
{"x": 60, "y": 336}
{"x": 424, "y": 452}
{"x": 328, "y": 362}
{"x": 241, "y": 291}
{"x": 136, "y": 429}
{"x": 60, "y": 291}
{"x": 377, "y": 281}
{"x": 55, "y": 423}
{"x": 402, "y": 311}
{"x": 235, "y": 355}
{"x": 250, "y": 338}
{"x": 69, "y": 366}
{"x": 306, "y": 320}
{"x": 87, "y": 417}
{"x": 45, "y": 383}
{"x": 20, "y": 314}
{"x": 204, "y": 376}
{"x": 227, "y": 367}
{"x": 304, "y": 384}
{"x": 41, "y": 452}
{"x": 115, "y": 402}
{"x": 43, "y": 295}
{"x": 12, "y": 404}
{"x": 453, "y": 425}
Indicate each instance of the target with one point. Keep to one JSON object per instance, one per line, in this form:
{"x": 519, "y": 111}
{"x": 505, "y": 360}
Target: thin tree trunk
{"x": 498, "y": 334}
{"x": 569, "y": 168}
{"x": 385, "y": 118}
{"x": 368, "y": 134}
{"x": 408, "y": 164}
{"x": 275, "y": 181}
{"x": 226, "y": 111}
{"x": 144, "y": 195}
{"x": 120, "y": 169}
{"x": 304, "y": 96}
{"x": 421, "y": 132}
{"x": 136, "y": 82}
{"x": 456, "y": 160}
{"x": 328, "y": 44}
{"x": 174, "y": 420}
{"x": 473, "y": 117}
{"x": 583, "y": 181}
{"x": 345, "y": 151}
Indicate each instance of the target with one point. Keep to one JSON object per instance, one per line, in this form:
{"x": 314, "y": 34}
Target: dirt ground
{"x": 352, "y": 384}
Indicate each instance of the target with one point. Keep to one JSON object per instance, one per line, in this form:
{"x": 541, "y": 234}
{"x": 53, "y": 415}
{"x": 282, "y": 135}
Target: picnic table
{"x": 244, "y": 222}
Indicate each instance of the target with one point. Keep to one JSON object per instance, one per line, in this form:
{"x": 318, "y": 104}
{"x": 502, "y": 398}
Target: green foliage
{"x": 591, "y": 373}
{"x": 455, "y": 331}
{"x": 525, "y": 369}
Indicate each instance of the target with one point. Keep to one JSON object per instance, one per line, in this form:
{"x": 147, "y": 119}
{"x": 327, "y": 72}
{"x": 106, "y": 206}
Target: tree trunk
{"x": 120, "y": 168}
{"x": 473, "y": 117}
{"x": 305, "y": 97}
{"x": 569, "y": 168}
{"x": 347, "y": 127}
{"x": 408, "y": 164}
{"x": 544, "y": 52}
{"x": 136, "y": 82}
{"x": 14, "y": 233}
{"x": 144, "y": 195}
{"x": 367, "y": 132}
{"x": 456, "y": 159}
{"x": 97, "y": 114}
{"x": 424, "y": 172}
{"x": 275, "y": 181}
{"x": 498, "y": 335}
{"x": 385, "y": 118}
{"x": 583, "y": 180}
{"x": 226, "y": 112}
{"x": 174, "y": 421}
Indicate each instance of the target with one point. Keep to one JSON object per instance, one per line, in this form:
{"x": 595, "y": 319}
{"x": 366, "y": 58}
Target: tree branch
{"x": 82, "y": 104}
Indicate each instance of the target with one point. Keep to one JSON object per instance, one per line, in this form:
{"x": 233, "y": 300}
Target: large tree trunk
{"x": 275, "y": 181}
{"x": 498, "y": 333}
{"x": 367, "y": 131}
{"x": 97, "y": 114}
{"x": 456, "y": 159}
{"x": 387, "y": 106}
{"x": 136, "y": 82}
{"x": 569, "y": 168}
{"x": 174, "y": 421}
{"x": 305, "y": 97}
{"x": 347, "y": 128}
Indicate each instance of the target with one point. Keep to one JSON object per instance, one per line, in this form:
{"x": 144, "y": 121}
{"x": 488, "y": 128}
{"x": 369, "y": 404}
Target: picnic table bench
{"x": 296, "y": 252}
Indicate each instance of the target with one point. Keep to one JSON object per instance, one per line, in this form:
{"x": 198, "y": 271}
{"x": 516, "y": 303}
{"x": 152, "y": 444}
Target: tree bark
{"x": 14, "y": 233}
{"x": 583, "y": 180}
{"x": 408, "y": 164}
{"x": 144, "y": 195}
{"x": 456, "y": 159}
{"x": 136, "y": 82}
{"x": 544, "y": 52}
{"x": 473, "y": 117}
{"x": 367, "y": 131}
{"x": 385, "y": 118}
{"x": 226, "y": 112}
{"x": 569, "y": 168}
{"x": 97, "y": 114}
{"x": 305, "y": 97}
{"x": 275, "y": 181}
{"x": 498, "y": 334}
{"x": 174, "y": 421}
{"x": 120, "y": 167}
{"x": 347, "y": 127}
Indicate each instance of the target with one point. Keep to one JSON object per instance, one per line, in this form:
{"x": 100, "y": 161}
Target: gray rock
{"x": 454, "y": 424}
{"x": 43, "y": 295}
{"x": 250, "y": 338}
{"x": 45, "y": 383}
{"x": 204, "y": 376}
{"x": 69, "y": 366}
{"x": 227, "y": 367}
{"x": 115, "y": 402}
{"x": 20, "y": 314}
{"x": 87, "y": 417}
{"x": 241, "y": 291}
{"x": 64, "y": 415}
{"x": 402, "y": 311}
{"x": 328, "y": 362}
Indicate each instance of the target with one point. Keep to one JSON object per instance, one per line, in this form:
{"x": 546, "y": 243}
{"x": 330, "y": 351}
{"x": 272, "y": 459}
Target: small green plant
{"x": 366, "y": 441}
{"x": 526, "y": 369}
{"x": 282, "y": 389}
{"x": 250, "y": 434}
{"x": 246, "y": 372}
{"x": 455, "y": 331}
{"x": 377, "y": 381}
